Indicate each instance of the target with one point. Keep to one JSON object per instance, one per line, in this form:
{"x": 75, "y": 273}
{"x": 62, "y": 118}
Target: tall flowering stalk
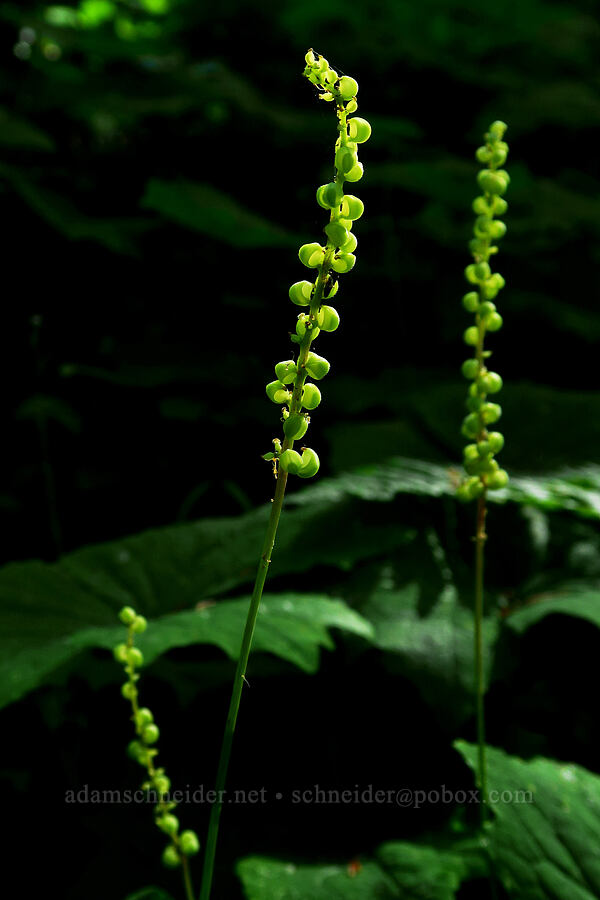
{"x": 181, "y": 845}
{"x": 291, "y": 391}
{"x": 481, "y": 467}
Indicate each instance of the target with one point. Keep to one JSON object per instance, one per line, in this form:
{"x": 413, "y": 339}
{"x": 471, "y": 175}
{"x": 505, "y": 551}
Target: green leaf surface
{"x": 545, "y": 834}
{"x": 581, "y": 604}
{"x": 400, "y": 870}
{"x": 271, "y": 879}
{"x": 50, "y": 612}
{"x": 574, "y": 489}
{"x": 214, "y": 213}
{"x": 291, "y": 626}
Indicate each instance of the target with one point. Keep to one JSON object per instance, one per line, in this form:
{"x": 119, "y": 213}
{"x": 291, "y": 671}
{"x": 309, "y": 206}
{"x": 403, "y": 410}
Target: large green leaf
{"x": 545, "y": 834}
{"x": 206, "y": 209}
{"x": 50, "y": 612}
{"x": 582, "y": 604}
{"x": 573, "y": 489}
{"x": 271, "y": 879}
{"x": 291, "y": 626}
{"x": 400, "y": 870}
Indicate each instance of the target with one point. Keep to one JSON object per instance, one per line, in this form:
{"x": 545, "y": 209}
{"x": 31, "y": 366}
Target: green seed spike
{"x": 335, "y": 258}
{"x": 482, "y": 471}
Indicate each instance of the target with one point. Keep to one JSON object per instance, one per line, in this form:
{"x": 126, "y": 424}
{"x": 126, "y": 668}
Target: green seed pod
{"x": 350, "y": 245}
{"x": 480, "y": 247}
{"x": 329, "y": 196}
{"x": 337, "y": 234}
{"x": 135, "y": 749}
{"x": 475, "y": 488}
{"x": 295, "y": 426}
{"x": 301, "y": 292}
{"x": 168, "y": 823}
{"x": 311, "y": 396}
{"x": 471, "y": 301}
{"x": 492, "y": 182}
{"x": 499, "y": 156}
{"x": 482, "y": 271}
{"x": 356, "y": 172}
{"x": 483, "y": 448}
{"x": 144, "y": 717}
{"x": 311, "y": 255}
{"x": 471, "y": 336}
{"x": 473, "y": 466}
{"x": 500, "y": 206}
{"x": 304, "y": 324}
{"x": 482, "y": 226}
{"x": 127, "y": 615}
{"x": 462, "y": 493}
{"x": 496, "y": 441}
{"x": 316, "y": 366}
{"x": 486, "y": 308}
{"x": 328, "y": 318}
{"x": 470, "y": 368}
{"x": 497, "y": 480}
{"x": 483, "y": 154}
{"x": 359, "y": 130}
{"x": 491, "y": 383}
{"x": 150, "y": 734}
{"x": 135, "y": 657}
{"x": 497, "y": 129}
{"x": 290, "y": 461}
{"x": 276, "y": 392}
{"x": 162, "y": 784}
{"x": 332, "y": 290}
{"x": 170, "y": 857}
{"x": 471, "y": 453}
{"x": 189, "y": 843}
{"x": 331, "y": 76}
{"x": 286, "y": 371}
{"x": 470, "y": 425}
{"x": 343, "y": 262}
{"x": 345, "y": 159}
{"x": 352, "y": 207}
{"x": 474, "y": 404}
{"x": 348, "y": 87}
{"x": 480, "y": 207}
{"x": 120, "y": 653}
{"x": 493, "y": 322}
{"x": 352, "y": 106}
{"x": 129, "y": 690}
{"x": 488, "y": 466}
{"x": 139, "y": 625}
{"x": 491, "y": 412}
{"x": 470, "y": 273}
{"x": 310, "y": 463}
{"x": 497, "y": 230}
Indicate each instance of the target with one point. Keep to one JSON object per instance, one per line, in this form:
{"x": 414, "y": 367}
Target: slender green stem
{"x": 187, "y": 879}
{"x": 480, "y": 538}
{"x": 238, "y": 682}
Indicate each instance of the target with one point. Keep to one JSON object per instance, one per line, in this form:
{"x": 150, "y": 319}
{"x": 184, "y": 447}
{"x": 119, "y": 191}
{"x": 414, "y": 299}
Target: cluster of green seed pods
{"x": 481, "y": 467}
{"x": 143, "y": 749}
{"x": 334, "y": 257}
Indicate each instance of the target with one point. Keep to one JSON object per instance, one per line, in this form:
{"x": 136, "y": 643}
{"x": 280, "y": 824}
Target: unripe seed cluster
{"x": 332, "y": 258}
{"x": 142, "y": 749}
{"x": 482, "y": 469}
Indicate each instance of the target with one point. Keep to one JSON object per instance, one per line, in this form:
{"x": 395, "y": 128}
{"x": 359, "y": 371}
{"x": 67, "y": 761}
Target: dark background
{"x": 139, "y": 331}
